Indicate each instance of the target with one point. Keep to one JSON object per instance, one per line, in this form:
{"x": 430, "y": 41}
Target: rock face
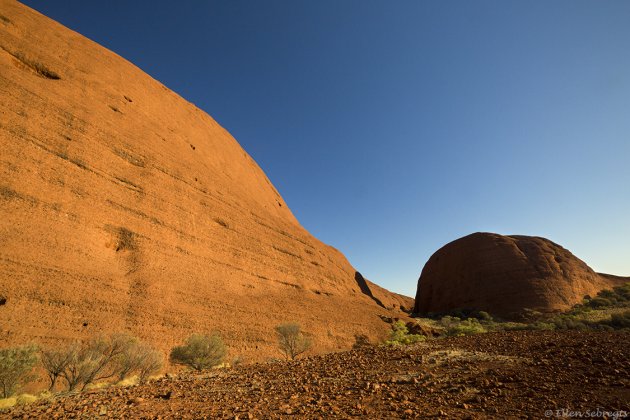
{"x": 504, "y": 275}
{"x": 125, "y": 207}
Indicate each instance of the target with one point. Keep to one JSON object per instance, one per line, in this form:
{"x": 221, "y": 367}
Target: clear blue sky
{"x": 394, "y": 127}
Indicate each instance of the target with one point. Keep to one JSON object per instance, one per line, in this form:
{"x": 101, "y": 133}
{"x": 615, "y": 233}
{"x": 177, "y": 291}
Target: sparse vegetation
{"x": 620, "y": 320}
{"x": 618, "y": 297}
{"x": 400, "y": 335}
{"x": 609, "y": 310}
{"x": 100, "y": 359}
{"x": 16, "y": 366}
{"x": 137, "y": 358}
{"x": 455, "y": 326}
{"x": 55, "y": 362}
{"x": 93, "y": 360}
{"x": 291, "y": 341}
{"x": 200, "y": 352}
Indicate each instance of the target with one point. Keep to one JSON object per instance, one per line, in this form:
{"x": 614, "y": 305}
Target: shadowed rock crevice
{"x": 23, "y": 61}
{"x": 365, "y": 289}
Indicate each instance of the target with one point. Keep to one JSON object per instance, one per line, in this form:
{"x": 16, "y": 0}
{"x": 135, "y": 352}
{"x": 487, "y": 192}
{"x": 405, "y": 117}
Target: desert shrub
{"x": 483, "y": 316}
{"x": 97, "y": 357}
{"x": 542, "y": 326}
{"x": 466, "y": 327}
{"x": 399, "y": 335}
{"x": 449, "y": 321}
{"x": 600, "y": 302}
{"x": 199, "y": 352}
{"x": 291, "y": 341}
{"x": 581, "y": 308}
{"x": 529, "y": 315}
{"x": 55, "y": 362}
{"x": 24, "y": 399}
{"x": 456, "y": 326}
{"x": 16, "y": 366}
{"x": 620, "y": 320}
{"x": 137, "y": 357}
{"x": 6, "y": 403}
{"x": 83, "y": 363}
{"x": 619, "y": 296}
{"x": 567, "y": 322}
{"x": 623, "y": 292}
{"x": 152, "y": 362}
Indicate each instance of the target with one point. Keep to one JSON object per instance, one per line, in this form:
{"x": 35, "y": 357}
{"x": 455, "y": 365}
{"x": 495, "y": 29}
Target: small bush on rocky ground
{"x": 456, "y": 326}
{"x": 81, "y": 364}
{"x": 26, "y": 399}
{"x": 16, "y": 366}
{"x": 6, "y": 403}
{"x": 291, "y": 340}
{"x": 137, "y": 358}
{"x": 199, "y": 352}
{"x": 55, "y": 362}
{"x": 617, "y": 297}
{"x": 400, "y": 335}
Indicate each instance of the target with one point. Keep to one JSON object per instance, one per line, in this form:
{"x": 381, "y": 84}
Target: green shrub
{"x": 620, "y": 320}
{"x": 466, "y": 327}
{"x": 291, "y": 341}
{"x": 199, "y": 352}
{"x": 600, "y": 302}
{"x": 542, "y": 326}
{"x": 617, "y": 297}
{"x": 400, "y": 335}
{"x": 16, "y": 365}
{"x": 484, "y": 316}
{"x": 455, "y": 326}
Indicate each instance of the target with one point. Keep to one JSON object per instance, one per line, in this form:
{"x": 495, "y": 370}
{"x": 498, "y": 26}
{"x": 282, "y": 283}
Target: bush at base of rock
{"x": 16, "y": 366}
{"x": 200, "y": 352}
{"x": 400, "y": 335}
{"x": 455, "y": 326}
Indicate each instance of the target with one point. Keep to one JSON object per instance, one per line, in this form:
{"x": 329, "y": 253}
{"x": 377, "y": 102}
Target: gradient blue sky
{"x": 394, "y": 127}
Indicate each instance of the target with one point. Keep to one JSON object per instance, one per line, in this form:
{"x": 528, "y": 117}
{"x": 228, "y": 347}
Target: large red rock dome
{"x": 123, "y": 207}
{"x": 503, "y": 275}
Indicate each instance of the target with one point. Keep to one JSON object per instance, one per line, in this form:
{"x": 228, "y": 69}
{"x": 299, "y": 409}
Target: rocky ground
{"x": 495, "y": 375}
